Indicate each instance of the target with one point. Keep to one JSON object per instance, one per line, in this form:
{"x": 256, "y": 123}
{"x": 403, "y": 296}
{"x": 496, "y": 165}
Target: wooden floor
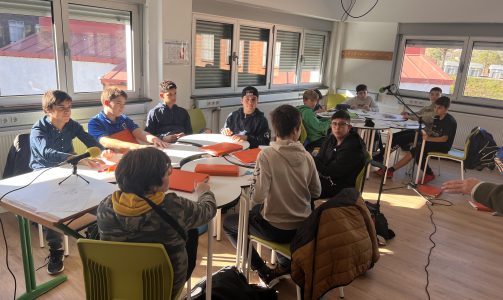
{"x": 466, "y": 264}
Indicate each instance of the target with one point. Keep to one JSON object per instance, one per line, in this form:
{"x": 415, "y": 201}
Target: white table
{"x": 206, "y": 139}
{"x": 50, "y": 204}
{"x": 180, "y": 153}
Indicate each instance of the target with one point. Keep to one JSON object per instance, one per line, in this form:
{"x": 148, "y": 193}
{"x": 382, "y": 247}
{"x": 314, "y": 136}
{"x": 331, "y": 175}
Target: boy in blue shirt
{"x": 111, "y": 121}
{"x": 167, "y": 120}
{"x": 50, "y": 144}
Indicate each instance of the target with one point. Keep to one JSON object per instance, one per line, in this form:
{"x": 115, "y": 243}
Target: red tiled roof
{"x": 90, "y": 42}
{"x": 116, "y": 77}
{"x": 418, "y": 68}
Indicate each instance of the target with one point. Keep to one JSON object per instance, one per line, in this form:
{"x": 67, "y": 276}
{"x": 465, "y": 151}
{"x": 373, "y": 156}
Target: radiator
{"x": 466, "y": 122}
{"x": 7, "y": 138}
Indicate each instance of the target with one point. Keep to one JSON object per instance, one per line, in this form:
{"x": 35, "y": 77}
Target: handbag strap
{"x": 164, "y": 215}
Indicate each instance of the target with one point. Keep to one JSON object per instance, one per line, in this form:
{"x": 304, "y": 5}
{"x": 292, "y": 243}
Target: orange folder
{"x": 247, "y": 156}
{"x": 185, "y": 181}
{"x": 218, "y": 170}
{"x": 479, "y": 206}
{"x": 222, "y": 148}
{"x": 429, "y": 190}
{"x": 125, "y": 136}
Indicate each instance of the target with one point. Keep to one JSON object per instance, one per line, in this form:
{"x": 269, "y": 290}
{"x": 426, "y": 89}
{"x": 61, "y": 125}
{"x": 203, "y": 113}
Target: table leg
{"x": 388, "y": 152}
{"x": 240, "y": 226}
{"x": 371, "y": 150}
{"x": 209, "y": 262}
{"x": 32, "y": 290}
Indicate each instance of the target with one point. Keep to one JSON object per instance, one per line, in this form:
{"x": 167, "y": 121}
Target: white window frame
{"x": 323, "y": 58}
{"x": 299, "y": 54}
{"x": 463, "y": 69}
{"x": 63, "y": 62}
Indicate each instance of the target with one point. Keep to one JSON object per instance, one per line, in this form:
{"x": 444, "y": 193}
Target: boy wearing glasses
{"x": 167, "y": 120}
{"x": 115, "y": 130}
{"x": 341, "y": 157}
{"x": 248, "y": 123}
{"x": 51, "y": 144}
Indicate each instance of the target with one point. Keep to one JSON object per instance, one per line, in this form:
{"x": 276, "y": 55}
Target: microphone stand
{"x": 411, "y": 182}
{"x": 74, "y": 172}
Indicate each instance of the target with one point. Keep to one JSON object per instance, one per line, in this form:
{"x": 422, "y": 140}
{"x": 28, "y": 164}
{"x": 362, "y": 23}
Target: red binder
{"x": 185, "y": 181}
{"x": 218, "y": 170}
{"x": 247, "y": 156}
{"x": 125, "y": 136}
{"x": 222, "y": 148}
{"x": 429, "y": 190}
{"x": 479, "y": 206}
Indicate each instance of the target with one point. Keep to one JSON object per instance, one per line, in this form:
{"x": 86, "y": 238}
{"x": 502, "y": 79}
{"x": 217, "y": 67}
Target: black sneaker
{"x": 55, "y": 264}
{"x": 271, "y": 277}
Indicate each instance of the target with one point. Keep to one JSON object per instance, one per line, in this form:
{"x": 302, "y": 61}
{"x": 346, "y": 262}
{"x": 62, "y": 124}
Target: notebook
{"x": 185, "y": 181}
{"x": 479, "y": 206}
{"x": 218, "y": 170}
{"x": 222, "y": 148}
{"x": 429, "y": 190}
{"x": 247, "y": 156}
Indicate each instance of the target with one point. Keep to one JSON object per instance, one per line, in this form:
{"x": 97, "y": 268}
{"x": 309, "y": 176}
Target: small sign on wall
{"x": 176, "y": 52}
{"x": 365, "y": 54}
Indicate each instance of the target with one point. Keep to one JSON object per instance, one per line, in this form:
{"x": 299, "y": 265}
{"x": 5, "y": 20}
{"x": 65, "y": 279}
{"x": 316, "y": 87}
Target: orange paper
{"x": 247, "y": 156}
{"x": 479, "y": 206}
{"x": 125, "y": 136}
{"x": 429, "y": 190}
{"x": 185, "y": 181}
{"x": 218, "y": 170}
{"x": 222, "y": 148}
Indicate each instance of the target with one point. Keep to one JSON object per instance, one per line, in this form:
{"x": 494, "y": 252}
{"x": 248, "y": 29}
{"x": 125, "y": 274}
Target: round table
{"x": 206, "y": 139}
{"x": 180, "y": 153}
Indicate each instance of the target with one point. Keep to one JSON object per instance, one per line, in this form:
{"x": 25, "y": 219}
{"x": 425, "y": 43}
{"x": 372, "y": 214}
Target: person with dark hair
{"x": 125, "y": 215}
{"x": 167, "y": 120}
{"x": 248, "y": 123}
{"x": 316, "y": 129}
{"x": 438, "y": 139}
{"x": 50, "y": 144}
{"x": 284, "y": 182}
{"x": 318, "y": 108}
{"x": 114, "y": 130}
{"x": 362, "y": 100}
{"x": 341, "y": 157}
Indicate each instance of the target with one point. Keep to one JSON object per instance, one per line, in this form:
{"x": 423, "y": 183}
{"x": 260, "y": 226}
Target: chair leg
{"x": 462, "y": 170}
{"x": 67, "y": 249}
{"x": 273, "y": 257}
{"x": 438, "y": 166}
{"x": 40, "y": 236}
{"x": 248, "y": 261}
{"x": 341, "y": 292}
{"x": 424, "y": 172}
{"x": 299, "y": 292}
{"x": 219, "y": 224}
{"x": 215, "y": 224}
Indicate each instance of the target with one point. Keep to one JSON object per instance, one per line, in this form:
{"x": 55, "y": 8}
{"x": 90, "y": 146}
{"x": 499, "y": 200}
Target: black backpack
{"x": 481, "y": 150}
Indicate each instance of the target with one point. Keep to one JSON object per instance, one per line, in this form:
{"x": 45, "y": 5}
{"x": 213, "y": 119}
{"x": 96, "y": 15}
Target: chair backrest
{"x": 363, "y": 172}
{"x": 303, "y": 133}
{"x": 197, "y": 119}
{"x": 334, "y": 99}
{"x": 18, "y": 159}
{"x": 117, "y": 270}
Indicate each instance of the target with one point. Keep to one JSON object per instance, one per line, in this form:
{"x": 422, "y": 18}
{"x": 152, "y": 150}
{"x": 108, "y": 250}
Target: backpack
{"x": 229, "y": 283}
{"x": 481, "y": 150}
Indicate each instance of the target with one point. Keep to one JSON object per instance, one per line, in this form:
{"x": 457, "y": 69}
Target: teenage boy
{"x": 362, "y": 100}
{"x": 248, "y": 123}
{"x": 167, "y": 120}
{"x": 51, "y": 144}
{"x": 438, "y": 139}
{"x": 341, "y": 157}
{"x": 316, "y": 128}
{"x": 115, "y": 130}
{"x": 285, "y": 180}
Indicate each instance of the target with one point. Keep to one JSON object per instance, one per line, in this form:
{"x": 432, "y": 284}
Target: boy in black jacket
{"x": 341, "y": 157}
{"x": 248, "y": 123}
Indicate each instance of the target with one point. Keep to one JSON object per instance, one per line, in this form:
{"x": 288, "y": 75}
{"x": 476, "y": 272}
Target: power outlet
{"x": 6, "y": 121}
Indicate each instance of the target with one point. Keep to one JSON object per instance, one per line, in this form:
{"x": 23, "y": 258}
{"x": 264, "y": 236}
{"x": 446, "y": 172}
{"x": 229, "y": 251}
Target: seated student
{"x": 362, "y": 100}
{"x": 489, "y": 194}
{"x": 125, "y": 216}
{"x": 285, "y": 180}
{"x": 50, "y": 144}
{"x": 111, "y": 121}
{"x": 316, "y": 129}
{"x": 438, "y": 139}
{"x": 341, "y": 157}
{"x": 405, "y": 138}
{"x": 167, "y": 120}
{"x": 248, "y": 123}
{"x": 318, "y": 108}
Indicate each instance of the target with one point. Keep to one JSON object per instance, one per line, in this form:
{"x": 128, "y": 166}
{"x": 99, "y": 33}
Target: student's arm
{"x": 38, "y": 144}
{"x": 142, "y": 135}
{"x": 312, "y": 122}
{"x": 489, "y": 194}
{"x": 200, "y": 212}
{"x": 261, "y": 180}
{"x": 440, "y": 139}
{"x": 314, "y": 184}
{"x": 373, "y": 105}
{"x": 86, "y": 138}
{"x": 349, "y": 163}
{"x": 152, "y": 124}
{"x": 119, "y": 145}
{"x": 261, "y": 137}
{"x": 226, "y": 130}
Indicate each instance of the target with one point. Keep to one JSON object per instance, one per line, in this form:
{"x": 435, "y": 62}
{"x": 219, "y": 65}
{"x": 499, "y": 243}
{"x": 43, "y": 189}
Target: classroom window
{"x": 485, "y": 74}
{"x": 289, "y": 43}
{"x": 252, "y": 68}
{"x": 27, "y": 60}
{"x": 312, "y": 58}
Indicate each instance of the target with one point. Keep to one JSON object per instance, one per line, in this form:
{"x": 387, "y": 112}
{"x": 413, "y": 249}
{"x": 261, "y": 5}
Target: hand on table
{"x": 93, "y": 163}
{"x": 460, "y": 186}
{"x": 226, "y": 131}
{"x": 159, "y": 143}
{"x": 202, "y": 187}
{"x": 239, "y": 137}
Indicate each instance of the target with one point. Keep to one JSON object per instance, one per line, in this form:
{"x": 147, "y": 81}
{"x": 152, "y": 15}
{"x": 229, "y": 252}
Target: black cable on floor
{"x": 7, "y": 258}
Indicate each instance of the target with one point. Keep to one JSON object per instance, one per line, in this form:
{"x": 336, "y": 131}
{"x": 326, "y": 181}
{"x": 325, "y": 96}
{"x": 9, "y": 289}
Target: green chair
{"x": 334, "y": 99}
{"x": 453, "y": 154}
{"x": 361, "y": 176}
{"x": 303, "y": 134}
{"x": 197, "y": 119}
{"x": 117, "y": 270}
